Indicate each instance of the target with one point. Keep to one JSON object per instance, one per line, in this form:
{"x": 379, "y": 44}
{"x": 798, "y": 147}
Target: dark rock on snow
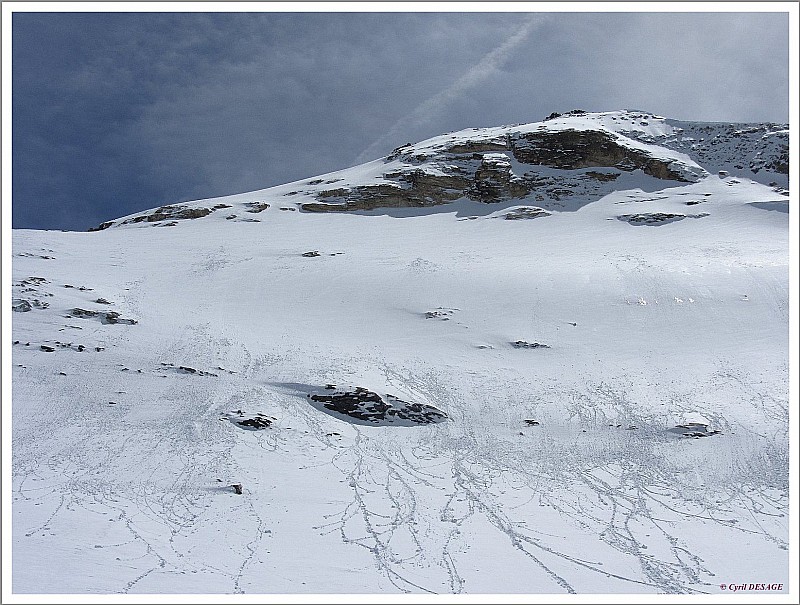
{"x": 523, "y": 344}
{"x": 525, "y": 212}
{"x": 106, "y": 317}
{"x": 694, "y": 429}
{"x": 573, "y": 149}
{"x": 365, "y": 405}
{"x": 21, "y": 306}
{"x": 656, "y": 218}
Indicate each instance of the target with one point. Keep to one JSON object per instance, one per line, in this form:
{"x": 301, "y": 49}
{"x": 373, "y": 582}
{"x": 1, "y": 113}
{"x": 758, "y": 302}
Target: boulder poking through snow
{"x": 525, "y": 212}
{"x": 106, "y": 317}
{"x": 693, "y": 429}
{"x": 249, "y": 421}
{"x": 440, "y": 313}
{"x": 524, "y": 344}
{"x": 657, "y": 218}
{"x": 362, "y": 406}
{"x": 21, "y": 306}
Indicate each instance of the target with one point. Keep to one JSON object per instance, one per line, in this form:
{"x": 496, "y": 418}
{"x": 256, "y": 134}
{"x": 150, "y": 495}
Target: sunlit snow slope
{"x": 572, "y": 354}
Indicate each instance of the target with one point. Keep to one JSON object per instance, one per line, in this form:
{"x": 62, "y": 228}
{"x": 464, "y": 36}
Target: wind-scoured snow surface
{"x": 591, "y": 398}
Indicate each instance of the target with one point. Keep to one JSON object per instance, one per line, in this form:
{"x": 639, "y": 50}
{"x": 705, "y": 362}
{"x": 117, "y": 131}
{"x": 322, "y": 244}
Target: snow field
{"x": 116, "y": 470}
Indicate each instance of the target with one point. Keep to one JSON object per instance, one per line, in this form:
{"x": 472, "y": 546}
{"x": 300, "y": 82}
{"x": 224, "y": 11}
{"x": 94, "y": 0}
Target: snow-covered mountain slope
{"x": 546, "y": 358}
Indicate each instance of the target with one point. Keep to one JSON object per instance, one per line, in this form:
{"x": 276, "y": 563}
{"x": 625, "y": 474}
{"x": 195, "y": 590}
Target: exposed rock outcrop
{"x": 494, "y": 181}
{"x": 106, "y": 317}
{"x": 525, "y": 212}
{"x": 573, "y": 149}
{"x": 440, "y": 313}
{"x": 165, "y": 213}
{"x": 603, "y": 177}
{"x": 21, "y": 306}
{"x": 524, "y": 344}
{"x": 478, "y": 170}
{"x": 249, "y": 421}
{"x": 369, "y": 407}
{"x": 255, "y": 207}
{"x": 499, "y": 144}
{"x": 760, "y": 149}
{"x": 694, "y": 429}
{"x": 415, "y": 189}
{"x": 657, "y": 218}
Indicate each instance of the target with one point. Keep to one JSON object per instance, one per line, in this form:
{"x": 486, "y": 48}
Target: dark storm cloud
{"x": 115, "y": 113}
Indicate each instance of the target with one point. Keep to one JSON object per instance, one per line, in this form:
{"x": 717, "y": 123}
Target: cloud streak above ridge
{"x": 478, "y": 73}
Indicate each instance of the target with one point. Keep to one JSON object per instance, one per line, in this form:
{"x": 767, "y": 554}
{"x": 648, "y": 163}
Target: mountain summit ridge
{"x": 560, "y": 163}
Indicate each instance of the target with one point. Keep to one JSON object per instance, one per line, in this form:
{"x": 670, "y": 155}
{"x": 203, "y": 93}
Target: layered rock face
{"x": 494, "y": 180}
{"x": 414, "y": 189}
{"x": 481, "y": 168}
{"x": 574, "y": 149}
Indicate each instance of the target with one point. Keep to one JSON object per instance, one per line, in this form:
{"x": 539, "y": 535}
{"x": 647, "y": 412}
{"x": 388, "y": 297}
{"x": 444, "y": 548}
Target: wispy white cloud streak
{"x": 428, "y": 111}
